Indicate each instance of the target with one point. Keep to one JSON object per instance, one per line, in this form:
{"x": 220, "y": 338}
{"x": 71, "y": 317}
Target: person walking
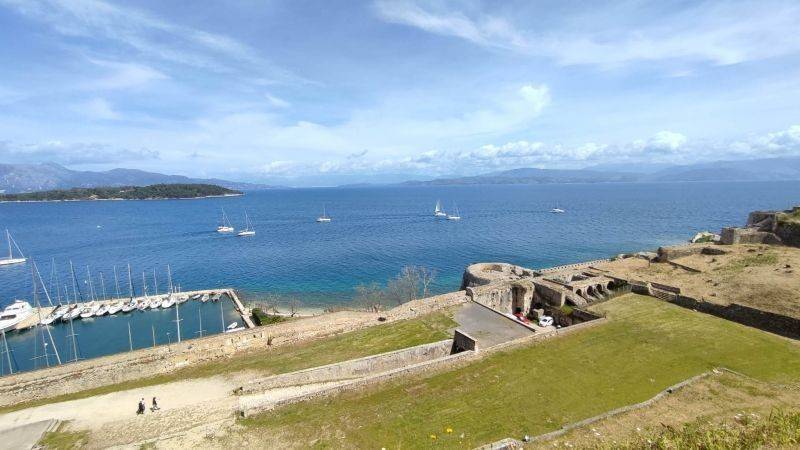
{"x": 141, "y": 407}
{"x": 155, "y": 405}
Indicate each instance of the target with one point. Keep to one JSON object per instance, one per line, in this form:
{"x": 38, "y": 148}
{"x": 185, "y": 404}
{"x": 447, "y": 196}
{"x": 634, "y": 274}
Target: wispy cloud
{"x": 85, "y": 153}
{"x": 715, "y": 32}
{"x": 151, "y": 36}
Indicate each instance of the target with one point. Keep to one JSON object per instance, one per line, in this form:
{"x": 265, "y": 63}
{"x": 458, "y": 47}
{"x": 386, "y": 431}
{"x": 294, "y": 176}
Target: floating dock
{"x": 44, "y": 311}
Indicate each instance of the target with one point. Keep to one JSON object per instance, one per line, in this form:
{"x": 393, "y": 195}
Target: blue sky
{"x": 330, "y": 92}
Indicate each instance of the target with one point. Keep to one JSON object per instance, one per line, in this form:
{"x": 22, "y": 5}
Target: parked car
{"x": 545, "y": 321}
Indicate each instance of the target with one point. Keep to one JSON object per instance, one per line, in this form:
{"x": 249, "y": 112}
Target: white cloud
{"x": 276, "y": 101}
{"x": 72, "y": 153}
{"x": 151, "y": 36}
{"x": 124, "y": 75}
{"x": 97, "y": 108}
{"x": 716, "y": 32}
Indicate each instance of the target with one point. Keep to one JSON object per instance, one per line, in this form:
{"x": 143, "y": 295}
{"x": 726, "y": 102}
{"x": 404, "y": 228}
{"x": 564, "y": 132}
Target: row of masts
{"x": 43, "y": 336}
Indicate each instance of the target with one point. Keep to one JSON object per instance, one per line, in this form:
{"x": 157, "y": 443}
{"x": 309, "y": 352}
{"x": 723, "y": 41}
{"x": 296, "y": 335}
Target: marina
{"x": 33, "y": 345}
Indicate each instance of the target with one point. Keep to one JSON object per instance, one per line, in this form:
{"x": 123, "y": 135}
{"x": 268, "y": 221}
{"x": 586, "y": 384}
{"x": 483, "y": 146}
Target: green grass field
{"x": 645, "y": 346}
{"x": 369, "y": 341}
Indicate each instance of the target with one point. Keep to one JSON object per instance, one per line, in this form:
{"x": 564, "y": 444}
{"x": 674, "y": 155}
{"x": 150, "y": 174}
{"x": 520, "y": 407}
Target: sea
{"x": 374, "y": 233}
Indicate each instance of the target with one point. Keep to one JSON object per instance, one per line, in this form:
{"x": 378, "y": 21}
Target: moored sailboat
{"x": 11, "y": 259}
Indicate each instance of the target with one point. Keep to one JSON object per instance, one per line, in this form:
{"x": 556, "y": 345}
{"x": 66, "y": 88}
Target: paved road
{"x": 25, "y": 436}
{"x": 488, "y": 327}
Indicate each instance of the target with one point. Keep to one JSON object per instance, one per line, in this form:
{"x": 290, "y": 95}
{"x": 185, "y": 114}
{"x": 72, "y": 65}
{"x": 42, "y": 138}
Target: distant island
{"x": 152, "y": 192}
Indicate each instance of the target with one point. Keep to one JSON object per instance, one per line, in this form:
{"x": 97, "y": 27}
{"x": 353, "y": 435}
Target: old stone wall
{"x": 354, "y": 368}
{"x": 97, "y": 372}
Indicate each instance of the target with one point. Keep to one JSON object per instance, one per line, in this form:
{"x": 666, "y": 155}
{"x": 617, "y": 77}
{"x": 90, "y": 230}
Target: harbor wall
{"x": 150, "y": 362}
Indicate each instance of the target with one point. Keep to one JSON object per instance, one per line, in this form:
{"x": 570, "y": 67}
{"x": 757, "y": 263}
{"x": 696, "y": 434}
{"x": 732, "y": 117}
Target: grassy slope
{"x": 369, "y": 341}
{"x": 646, "y": 346}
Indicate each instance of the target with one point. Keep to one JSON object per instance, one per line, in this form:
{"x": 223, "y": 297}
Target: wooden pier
{"x": 44, "y": 311}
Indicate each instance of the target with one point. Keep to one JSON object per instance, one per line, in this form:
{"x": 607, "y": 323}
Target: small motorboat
{"x": 204, "y": 298}
{"x": 195, "y": 297}
{"x": 181, "y": 299}
{"x": 216, "y": 297}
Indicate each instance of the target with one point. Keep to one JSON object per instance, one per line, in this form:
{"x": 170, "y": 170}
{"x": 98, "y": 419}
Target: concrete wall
{"x": 501, "y": 295}
{"x": 462, "y": 342}
{"x": 355, "y": 368}
{"x": 93, "y": 373}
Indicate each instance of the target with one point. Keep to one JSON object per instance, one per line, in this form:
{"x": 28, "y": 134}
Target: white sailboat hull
{"x": 323, "y": 219}
{"x": 224, "y": 229}
{"x": 246, "y": 233}
{"x": 9, "y": 261}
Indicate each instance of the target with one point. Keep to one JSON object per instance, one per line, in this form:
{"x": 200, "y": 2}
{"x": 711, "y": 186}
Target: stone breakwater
{"x": 144, "y": 363}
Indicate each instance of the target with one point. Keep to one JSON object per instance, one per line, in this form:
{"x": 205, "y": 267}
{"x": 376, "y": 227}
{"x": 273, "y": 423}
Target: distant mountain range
{"x": 747, "y": 170}
{"x": 15, "y": 178}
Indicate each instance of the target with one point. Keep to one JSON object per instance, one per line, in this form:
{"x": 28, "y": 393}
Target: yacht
{"x": 557, "y": 210}
{"x": 73, "y": 313}
{"x": 324, "y": 217}
{"x": 438, "y": 212}
{"x": 14, "y": 314}
{"x": 56, "y": 314}
{"x": 454, "y": 216}
{"x": 115, "y": 307}
{"x": 225, "y": 226}
{"x": 169, "y": 302}
{"x": 11, "y": 259}
{"x": 248, "y": 228}
{"x": 101, "y": 311}
{"x": 129, "y": 306}
{"x": 89, "y": 310}
{"x": 155, "y": 303}
{"x": 142, "y": 305}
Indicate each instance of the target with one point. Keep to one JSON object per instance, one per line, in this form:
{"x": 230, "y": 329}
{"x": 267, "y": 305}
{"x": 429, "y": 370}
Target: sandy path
{"x": 93, "y": 412}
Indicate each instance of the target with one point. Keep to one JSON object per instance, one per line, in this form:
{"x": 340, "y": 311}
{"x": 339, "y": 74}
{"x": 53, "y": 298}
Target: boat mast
{"x": 75, "y": 292}
{"x": 36, "y": 298}
{"x": 116, "y": 282}
{"x": 130, "y": 282}
{"x": 91, "y": 286}
{"x": 8, "y": 354}
{"x": 103, "y": 284}
{"x": 8, "y": 237}
{"x": 155, "y": 281}
{"x": 222, "y": 317}
{"x": 144, "y": 285}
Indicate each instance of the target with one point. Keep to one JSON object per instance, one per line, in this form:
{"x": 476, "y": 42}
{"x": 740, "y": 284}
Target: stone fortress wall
{"x": 144, "y": 363}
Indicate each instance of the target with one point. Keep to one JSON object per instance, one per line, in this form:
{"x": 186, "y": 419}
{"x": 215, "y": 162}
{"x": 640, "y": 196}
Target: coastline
{"x": 122, "y": 199}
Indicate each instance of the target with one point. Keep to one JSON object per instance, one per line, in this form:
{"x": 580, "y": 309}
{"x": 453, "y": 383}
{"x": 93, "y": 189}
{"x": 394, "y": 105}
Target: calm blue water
{"x": 374, "y": 233}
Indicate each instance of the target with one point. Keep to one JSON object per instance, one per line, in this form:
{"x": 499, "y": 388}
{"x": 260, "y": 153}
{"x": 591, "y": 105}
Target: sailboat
{"x": 248, "y": 227}
{"x": 557, "y": 210}
{"x": 324, "y": 217}
{"x": 226, "y": 226}
{"x": 11, "y": 259}
{"x": 438, "y": 212}
{"x": 454, "y": 216}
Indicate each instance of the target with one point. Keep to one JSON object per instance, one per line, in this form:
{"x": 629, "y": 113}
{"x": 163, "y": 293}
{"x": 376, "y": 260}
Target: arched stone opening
{"x": 518, "y": 300}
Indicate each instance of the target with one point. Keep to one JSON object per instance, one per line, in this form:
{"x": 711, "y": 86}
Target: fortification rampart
{"x": 98, "y": 372}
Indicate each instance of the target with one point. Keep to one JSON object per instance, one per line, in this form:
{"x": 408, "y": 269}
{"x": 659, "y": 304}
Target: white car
{"x": 545, "y": 321}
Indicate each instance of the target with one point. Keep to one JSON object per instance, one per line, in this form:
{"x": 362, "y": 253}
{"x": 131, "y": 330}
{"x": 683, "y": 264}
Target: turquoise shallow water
{"x": 374, "y": 233}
